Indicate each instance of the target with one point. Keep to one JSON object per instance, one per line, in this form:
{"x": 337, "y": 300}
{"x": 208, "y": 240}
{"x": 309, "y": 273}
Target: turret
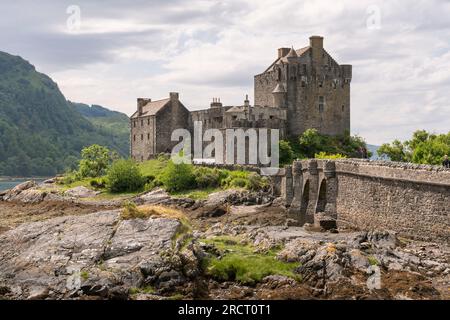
{"x": 279, "y": 96}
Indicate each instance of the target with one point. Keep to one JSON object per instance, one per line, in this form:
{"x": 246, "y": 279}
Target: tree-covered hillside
{"x": 40, "y": 132}
{"x": 111, "y": 123}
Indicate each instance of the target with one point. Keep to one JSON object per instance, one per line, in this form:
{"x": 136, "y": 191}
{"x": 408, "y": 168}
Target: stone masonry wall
{"x": 413, "y": 200}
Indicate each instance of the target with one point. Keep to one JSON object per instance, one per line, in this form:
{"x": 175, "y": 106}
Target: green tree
{"x": 286, "y": 152}
{"x": 94, "y": 161}
{"x": 423, "y": 148}
{"x": 124, "y": 176}
{"x": 396, "y": 151}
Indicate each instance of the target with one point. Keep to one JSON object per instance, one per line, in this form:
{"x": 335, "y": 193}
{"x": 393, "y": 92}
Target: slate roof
{"x": 299, "y": 53}
{"x": 152, "y": 108}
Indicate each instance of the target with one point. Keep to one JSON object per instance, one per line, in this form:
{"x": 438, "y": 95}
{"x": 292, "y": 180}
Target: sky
{"x": 111, "y": 52}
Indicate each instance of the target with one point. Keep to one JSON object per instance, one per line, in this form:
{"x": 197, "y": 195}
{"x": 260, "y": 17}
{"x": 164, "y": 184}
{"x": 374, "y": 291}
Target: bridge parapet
{"x": 411, "y": 199}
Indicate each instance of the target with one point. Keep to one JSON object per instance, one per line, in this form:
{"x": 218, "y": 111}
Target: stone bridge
{"x": 413, "y": 200}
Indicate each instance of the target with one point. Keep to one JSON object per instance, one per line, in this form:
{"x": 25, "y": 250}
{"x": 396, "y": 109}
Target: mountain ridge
{"x": 41, "y": 133}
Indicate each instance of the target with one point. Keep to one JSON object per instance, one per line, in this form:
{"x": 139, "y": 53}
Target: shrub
{"x": 257, "y": 182}
{"x": 238, "y": 182}
{"x": 324, "y": 155}
{"x": 124, "y": 176}
{"x": 207, "y": 177}
{"x": 178, "y": 177}
{"x": 71, "y": 177}
{"x": 286, "y": 152}
{"x": 98, "y": 183}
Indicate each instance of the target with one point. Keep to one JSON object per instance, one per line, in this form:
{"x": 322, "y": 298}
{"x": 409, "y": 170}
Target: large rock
{"x": 161, "y": 197}
{"x": 12, "y": 195}
{"x": 97, "y": 254}
{"x": 81, "y": 192}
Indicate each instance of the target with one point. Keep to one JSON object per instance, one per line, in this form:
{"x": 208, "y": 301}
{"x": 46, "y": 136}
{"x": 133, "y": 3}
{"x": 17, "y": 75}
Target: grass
{"x": 152, "y": 167}
{"x": 143, "y": 290}
{"x": 373, "y": 261}
{"x": 196, "y": 194}
{"x": 84, "y": 275}
{"x": 240, "y": 262}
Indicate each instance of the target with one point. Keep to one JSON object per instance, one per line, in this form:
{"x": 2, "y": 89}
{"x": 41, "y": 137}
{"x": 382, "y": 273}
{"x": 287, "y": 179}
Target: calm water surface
{"x": 8, "y": 183}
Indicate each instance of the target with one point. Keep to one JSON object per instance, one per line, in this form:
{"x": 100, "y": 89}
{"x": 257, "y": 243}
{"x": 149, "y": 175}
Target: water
{"x": 8, "y": 183}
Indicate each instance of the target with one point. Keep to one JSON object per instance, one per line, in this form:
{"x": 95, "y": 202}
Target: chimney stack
{"x": 174, "y": 96}
{"x": 316, "y": 43}
{"x": 282, "y": 52}
{"x": 141, "y": 102}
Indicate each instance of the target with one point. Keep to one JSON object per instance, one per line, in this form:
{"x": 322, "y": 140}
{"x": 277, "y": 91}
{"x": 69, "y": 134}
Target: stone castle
{"x": 301, "y": 89}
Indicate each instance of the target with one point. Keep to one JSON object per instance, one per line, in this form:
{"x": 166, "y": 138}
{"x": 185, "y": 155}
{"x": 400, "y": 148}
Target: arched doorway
{"x": 322, "y": 200}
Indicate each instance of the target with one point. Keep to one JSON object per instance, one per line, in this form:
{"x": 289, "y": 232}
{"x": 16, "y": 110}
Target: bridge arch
{"x": 322, "y": 197}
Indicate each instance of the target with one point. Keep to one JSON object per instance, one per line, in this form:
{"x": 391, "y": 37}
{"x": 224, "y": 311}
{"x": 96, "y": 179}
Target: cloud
{"x": 203, "y": 49}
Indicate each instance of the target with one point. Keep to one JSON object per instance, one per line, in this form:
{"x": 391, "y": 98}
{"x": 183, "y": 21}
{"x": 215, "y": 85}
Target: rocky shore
{"x": 70, "y": 245}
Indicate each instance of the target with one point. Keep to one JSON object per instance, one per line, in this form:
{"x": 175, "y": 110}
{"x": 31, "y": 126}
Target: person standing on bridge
{"x": 446, "y": 162}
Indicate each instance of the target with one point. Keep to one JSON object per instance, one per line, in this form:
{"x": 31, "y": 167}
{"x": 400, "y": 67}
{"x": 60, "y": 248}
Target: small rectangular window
{"x": 142, "y": 137}
{"x": 134, "y": 138}
{"x": 148, "y": 121}
{"x": 142, "y": 123}
{"x": 321, "y": 103}
{"x": 148, "y": 136}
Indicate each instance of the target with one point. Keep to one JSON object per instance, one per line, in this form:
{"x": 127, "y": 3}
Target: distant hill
{"x": 112, "y": 123}
{"x": 372, "y": 148}
{"x": 41, "y": 133}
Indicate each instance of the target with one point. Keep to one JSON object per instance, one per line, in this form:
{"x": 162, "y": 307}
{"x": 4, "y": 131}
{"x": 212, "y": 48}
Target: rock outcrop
{"x": 96, "y": 255}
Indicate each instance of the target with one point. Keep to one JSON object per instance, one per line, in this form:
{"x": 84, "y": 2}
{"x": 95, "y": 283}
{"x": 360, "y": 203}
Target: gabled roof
{"x": 236, "y": 109}
{"x": 152, "y": 108}
{"x": 299, "y": 53}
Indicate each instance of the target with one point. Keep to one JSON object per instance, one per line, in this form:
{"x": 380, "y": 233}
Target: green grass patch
{"x": 84, "y": 275}
{"x": 373, "y": 261}
{"x": 240, "y": 263}
{"x": 196, "y": 194}
{"x": 143, "y": 290}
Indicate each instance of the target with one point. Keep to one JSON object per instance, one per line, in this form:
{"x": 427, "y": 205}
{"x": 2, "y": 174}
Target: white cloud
{"x": 206, "y": 49}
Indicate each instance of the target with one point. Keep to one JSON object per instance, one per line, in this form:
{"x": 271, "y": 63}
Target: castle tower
{"x": 279, "y": 96}
{"x": 311, "y": 85}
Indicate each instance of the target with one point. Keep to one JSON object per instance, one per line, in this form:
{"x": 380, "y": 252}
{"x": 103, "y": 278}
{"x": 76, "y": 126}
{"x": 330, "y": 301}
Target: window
{"x": 343, "y": 107}
{"x": 321, "y": 103}
{"x": 148, "y": 121}
{"x": 148, "y": 136}
{"x": 142, "y": 137}
{"x": 134, "y": 138}
{"x": 234, "y": 117}
{"x": 134, "y": 123}
{"x": 142, "y": 123}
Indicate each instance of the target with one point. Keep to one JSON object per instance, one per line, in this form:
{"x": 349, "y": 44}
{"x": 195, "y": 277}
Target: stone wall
{"x": 413, "y": 200}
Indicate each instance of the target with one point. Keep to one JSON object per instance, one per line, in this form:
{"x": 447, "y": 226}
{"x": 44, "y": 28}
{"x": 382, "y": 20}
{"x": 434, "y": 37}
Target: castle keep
{"x": 301, "y": 89}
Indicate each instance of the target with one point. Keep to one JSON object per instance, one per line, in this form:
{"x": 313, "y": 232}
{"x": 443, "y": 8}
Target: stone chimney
{"x": 316, "y": 43}
{"x": 216, "y": 103}
{"x": 141, "y": 102}
{"x": 174, "y": 96}
{"x": 282, "y": 52}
